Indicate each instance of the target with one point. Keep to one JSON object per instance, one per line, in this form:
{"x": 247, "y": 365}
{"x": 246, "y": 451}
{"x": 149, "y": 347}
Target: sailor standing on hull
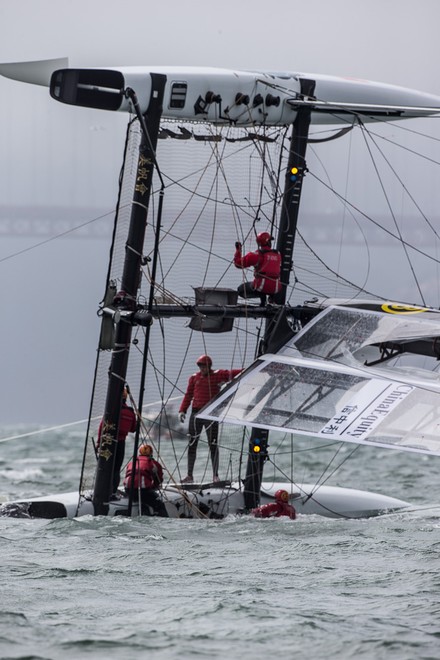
{"x": 202, "y": 387}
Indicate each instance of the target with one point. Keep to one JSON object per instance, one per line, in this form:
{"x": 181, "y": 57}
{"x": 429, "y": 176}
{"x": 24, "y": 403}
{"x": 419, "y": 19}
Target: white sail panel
{"x": 368, "y": 408}
{"x": 341, "y": 333}
{"x": 321, "y": 399}
{"x": 335, "y": 396}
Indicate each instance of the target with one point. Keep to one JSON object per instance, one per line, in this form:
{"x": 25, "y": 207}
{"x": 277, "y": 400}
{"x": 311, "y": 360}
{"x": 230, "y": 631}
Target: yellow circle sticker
{"x": 395, "y": 308}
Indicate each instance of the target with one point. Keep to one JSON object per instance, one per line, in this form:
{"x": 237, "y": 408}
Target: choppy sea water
{"x": 237, "y": 588}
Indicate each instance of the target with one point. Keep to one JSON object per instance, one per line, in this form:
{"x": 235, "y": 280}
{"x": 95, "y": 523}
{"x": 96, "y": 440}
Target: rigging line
{"x": 129, "y": 139}
{"x": 156, "y": 372}
{"x": 193, "y": 194}
{"x": 215, "y": 147}
{"x": 344, "y": 207}
{"x": 335, "y": 514}
{"x": 225, "y": 179}
{"x": 398, "y": 125}
{"x": 163, "y": 420}
{"x": 56, "y": 236}
{"x": 277, "y": 468}
{"x": 374, "y": 222}
{"x": 174, "y": 386}
{"x": 166, "y": 293}
{"x": 242, "y": 352}
{"x": 278, "y": 192}
{"x": 163, "y": 375}
{"x": 321, "y": 481}
{"x": 201, "y": 171}
{"x": 306, "y": 496}
{"x": 220, "y": 168}
{"x": 335, "y": 136}
{"x": 364, "y": 133}
{"x": 131, "y": 94}
{"x": 307, "y": 289}
{"x": 307, "y": 450}
{"x": 370, "y": 133}
{"x": 225, "y": 201}
{"x": 240, "y": 148}
{"x": 238, "y": 225}
{"x": 185, "y": 241}
{"x": 152, "y": 363}
{"x": 47, "y": 429}
{"x": 401, "y": 146}
{"x": 339, "y": 277}
{"x": 356, "y": 286}
{"x": 346, "y": 111}
{"x": 218, "y": 161}
{"x": 192, "y": 505}
{"x": 89, "y": 439}
{"x": 261, "y": 150}
{"x": 63, "y": 426}
{"x": 265, "y": 154}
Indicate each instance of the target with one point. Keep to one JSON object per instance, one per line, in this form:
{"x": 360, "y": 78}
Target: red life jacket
{"x": 144, "y": 475}
{"x": 275, "y": 510}
{"x": 127, "y": 422}
{"x": 202, "y": 388}
{"x": 267, "y": 271}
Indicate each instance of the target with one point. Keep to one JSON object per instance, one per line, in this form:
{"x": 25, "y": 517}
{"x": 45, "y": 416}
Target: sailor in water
{"x": 280, "y": 507}
{"x": 202, "y": 387}
{"x": 146, "y": 478}
{"x": 267, "y": 269}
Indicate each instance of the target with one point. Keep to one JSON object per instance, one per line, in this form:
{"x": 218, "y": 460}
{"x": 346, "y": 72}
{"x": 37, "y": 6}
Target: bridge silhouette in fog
{"x": 44, "y": 222}
{"x": 82, "y": 222}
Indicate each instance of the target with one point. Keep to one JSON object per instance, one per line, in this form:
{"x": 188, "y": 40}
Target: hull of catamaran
{"x": 225, "y": 96}
{"x": 216, "y": 501}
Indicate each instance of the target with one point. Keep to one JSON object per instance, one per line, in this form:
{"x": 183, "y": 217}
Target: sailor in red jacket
{"x": 280, "y": 507}
{"x": 127, "y": 424}
{"x": 202, "y": 387}
{"x": 147, "y": 478}
{"x": 267, "y": 269}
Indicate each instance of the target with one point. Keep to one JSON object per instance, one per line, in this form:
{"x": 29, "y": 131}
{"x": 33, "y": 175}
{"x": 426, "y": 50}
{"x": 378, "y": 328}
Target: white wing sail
{"x": 316, "y": 386}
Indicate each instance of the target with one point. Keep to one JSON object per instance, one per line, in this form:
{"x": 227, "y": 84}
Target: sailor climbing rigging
{"x": 267, "y": 269}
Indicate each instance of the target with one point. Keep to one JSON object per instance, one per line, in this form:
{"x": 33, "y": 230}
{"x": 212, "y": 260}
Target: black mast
{"x": 126, "y": 299}
{"x": 276, "y": 327}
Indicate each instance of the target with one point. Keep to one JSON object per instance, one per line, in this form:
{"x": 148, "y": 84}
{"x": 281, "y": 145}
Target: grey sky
{"x": 54, "y": 155}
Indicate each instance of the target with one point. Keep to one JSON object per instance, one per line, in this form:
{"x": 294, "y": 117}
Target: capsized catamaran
{"x": 210, "y": 155}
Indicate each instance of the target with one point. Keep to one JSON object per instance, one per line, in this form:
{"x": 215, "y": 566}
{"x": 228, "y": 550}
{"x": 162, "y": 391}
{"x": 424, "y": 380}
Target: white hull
{"x": 216, "y": 501}
{"x": 186, "y": 91}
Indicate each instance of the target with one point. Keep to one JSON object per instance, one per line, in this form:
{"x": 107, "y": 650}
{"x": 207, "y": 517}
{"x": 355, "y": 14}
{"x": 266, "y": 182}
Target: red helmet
{"x": 264, "y": 238}
{"x": 204, "y": 359}
{"x": 145, "y": 450}
{"x": 282, "y": 495}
